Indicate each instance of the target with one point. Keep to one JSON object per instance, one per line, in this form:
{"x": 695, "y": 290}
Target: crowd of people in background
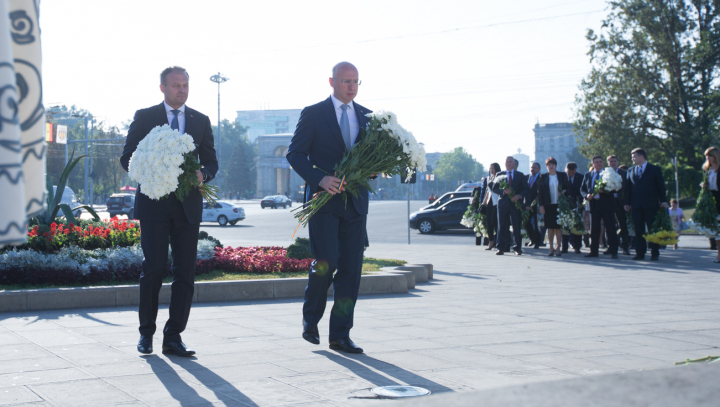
{"x": 605, "y": 214}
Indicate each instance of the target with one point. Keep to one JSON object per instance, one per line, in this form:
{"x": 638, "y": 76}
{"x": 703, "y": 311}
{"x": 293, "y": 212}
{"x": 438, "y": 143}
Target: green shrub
{"x": 300, "y": 249}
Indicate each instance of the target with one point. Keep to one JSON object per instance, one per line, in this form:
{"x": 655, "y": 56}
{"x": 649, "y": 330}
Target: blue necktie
{"x": 175, "y": 125}
{"x": 639, "y": 171}
{"x": 345, "y": 126}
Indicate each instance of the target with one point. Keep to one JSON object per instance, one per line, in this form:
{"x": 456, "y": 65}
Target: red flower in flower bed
{"x": 252, "y": 260}
{"x": 87, "y": 235}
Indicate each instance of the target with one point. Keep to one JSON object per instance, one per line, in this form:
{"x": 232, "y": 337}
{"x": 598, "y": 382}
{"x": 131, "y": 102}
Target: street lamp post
{"x": 219, "y": 78}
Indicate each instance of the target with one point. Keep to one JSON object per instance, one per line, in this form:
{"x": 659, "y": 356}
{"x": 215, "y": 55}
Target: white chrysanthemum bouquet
{"x": 609, "y": 182}
{"x": 163, "y": 163}
{"x": 385, "y": 147}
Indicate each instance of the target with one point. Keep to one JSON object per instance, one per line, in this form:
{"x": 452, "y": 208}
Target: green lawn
{"x": 369, "y": 265}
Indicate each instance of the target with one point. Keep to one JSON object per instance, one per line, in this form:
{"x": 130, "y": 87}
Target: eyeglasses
{"x": 349, "y": 81}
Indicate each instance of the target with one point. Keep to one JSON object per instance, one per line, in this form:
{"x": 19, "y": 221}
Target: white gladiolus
{"x": 155, "y": 164}
{"x": 613, "y": 181}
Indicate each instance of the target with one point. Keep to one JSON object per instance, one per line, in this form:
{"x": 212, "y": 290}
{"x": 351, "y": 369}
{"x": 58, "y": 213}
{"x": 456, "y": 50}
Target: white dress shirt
{"x": 352, "y": 117}
{"x": 553, "y": 183}
{"x": 181, "y": 116}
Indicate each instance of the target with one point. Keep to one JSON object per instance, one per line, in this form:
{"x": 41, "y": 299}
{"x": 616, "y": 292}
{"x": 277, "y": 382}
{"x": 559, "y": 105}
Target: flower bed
{"x": 74, "y": 265}
{"x": 86, "y": 235}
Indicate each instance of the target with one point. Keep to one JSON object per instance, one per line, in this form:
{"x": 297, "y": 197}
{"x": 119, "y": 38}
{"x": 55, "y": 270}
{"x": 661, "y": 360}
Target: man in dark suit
{"x": 602, "y": 209}
{"x": 531, "y": 226}
{"x": 508, "y": 213}
{"x": 614, "y": 163}
{"x": 168, "y": 218}
{"x": 573, "y": 195}
{"x": 478, "y": 194}
{"x": 325, "y": 131}
{"x": 645, "y": 195}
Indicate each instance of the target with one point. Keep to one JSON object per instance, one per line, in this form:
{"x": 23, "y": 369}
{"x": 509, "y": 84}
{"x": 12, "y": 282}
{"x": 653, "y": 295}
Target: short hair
{"x": 623, "y": 167}
{"x": 535, "y": 163}
{"x": 611, "y": 156}
{"x": 166, "y": 72}
{"x": 639, "y": 151}
{"x": 673, "y": 200}
{"x": 551, "y": 160}
{"x": 341, "y": 65}
{"x": 516, "y": 161}
{"x": 571, "y": 166}
{"x": 595, "y": 157}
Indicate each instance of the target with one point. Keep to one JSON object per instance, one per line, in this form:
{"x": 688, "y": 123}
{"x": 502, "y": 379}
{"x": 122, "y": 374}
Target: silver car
{"x": 222, "y": 213}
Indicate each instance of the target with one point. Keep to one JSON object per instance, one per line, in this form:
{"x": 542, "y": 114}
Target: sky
{"x": 477, "y": 74}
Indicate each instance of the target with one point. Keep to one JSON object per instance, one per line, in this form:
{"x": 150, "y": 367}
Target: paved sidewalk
{"x": 485, "y": 322}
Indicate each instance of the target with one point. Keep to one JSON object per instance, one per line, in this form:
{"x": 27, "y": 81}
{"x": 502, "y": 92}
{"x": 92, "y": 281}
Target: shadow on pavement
{"x": 186, "y": 395}
{"x": 381, "y": 373}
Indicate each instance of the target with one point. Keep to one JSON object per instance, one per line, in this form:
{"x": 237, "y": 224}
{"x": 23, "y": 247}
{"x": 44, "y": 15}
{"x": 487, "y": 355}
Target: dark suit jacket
{"x": 647, "y": 192}
{"x": 544, "y": 187}
{"x": 532, "y": 191}
{"x": 606, "y": 201}
{"x": 519, "y": 186}
{"x": 478, "y": 193}
{"x": 620, "y": 194}
{"x": 318, "y": 142}
{"x": 574, "y": 193}
{"x": 198, "y": 126}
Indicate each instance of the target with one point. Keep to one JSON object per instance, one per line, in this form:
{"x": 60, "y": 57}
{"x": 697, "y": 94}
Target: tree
{"x": 653, "y": 82}
{"x": 583, "y": 163}
{"x": 237, "y": 159}
{"x": 458, "y": 165}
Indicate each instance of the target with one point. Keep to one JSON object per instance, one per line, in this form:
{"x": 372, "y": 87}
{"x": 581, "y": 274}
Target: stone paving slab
{"x": 485, "y": 322}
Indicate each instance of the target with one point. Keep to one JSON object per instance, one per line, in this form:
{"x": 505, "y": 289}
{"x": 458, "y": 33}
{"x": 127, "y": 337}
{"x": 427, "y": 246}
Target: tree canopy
{"x": 458, "y": 165}
{"x": 654, "y": 81}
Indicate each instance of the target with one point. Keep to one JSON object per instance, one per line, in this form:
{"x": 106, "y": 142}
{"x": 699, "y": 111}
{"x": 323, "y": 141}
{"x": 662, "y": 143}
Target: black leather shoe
{"x": 177, "y": 348}
{"x": 145, "y": 344}
{"x": 638, "y": 257}
{"x": 537, "y": 246}
{"x": 499, "y": 253}
{"x": 345, "y": 345}
{"x": 518, "y": 252}
{"x": 626, "y": 252}
{"x": 607, "y": 251}
{"x": 592, "y": 255}
{"x": 311, "y": 334}
{"x": 655, "y": 258}
{"x": 614, "y": 256}
{"x": 577, "y": 251}
{"x": 564, "y": 251}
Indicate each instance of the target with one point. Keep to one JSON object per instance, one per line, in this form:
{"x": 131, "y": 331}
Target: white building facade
{"x": 554, "y": 140}
{"x": 262, "y": 122}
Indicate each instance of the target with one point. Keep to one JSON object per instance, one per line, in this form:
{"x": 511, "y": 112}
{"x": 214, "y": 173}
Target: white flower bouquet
{"x": 384, "y": 147}
{"x": 163, "y": 163}
{"x": 475, "y": 220}
{"x": 609, "y": 182}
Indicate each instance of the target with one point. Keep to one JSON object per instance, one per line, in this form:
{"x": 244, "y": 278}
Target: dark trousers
{"x": 608, "y": 217}
{"x": 492, "y": 217}
{"x": 622, "y": 221}
{"x": 644, "y": 217}
{"x": 507, "y": 215}
{"x": 336, "y": 241}
{"x": 531, "y": 226}
{"x": 183, "y": 237}
{"x": 574, "y": 240}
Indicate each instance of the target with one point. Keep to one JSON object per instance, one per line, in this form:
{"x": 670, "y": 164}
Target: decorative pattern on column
{"x": 26, "y": 53}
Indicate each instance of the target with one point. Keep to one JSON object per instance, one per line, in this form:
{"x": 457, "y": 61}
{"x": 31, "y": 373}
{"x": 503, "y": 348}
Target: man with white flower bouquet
{"x": 510, "y": 185}
{"x": 170, "y": 152}
{"x": 597, "y": 188}
{"x": 337, "y": 146}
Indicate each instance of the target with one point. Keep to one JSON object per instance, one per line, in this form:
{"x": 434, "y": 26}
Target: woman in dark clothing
{"x": 550, "y": 186}
{"x": 490, "y": 200}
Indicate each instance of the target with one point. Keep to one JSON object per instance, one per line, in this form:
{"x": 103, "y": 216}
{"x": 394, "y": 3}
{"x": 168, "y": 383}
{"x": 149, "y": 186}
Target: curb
{"x": 391, "y": 280}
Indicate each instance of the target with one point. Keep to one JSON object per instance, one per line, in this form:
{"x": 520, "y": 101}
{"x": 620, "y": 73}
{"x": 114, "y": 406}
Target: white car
{"x": 69, "y": 198}
{"x": 468, "y": 187}
{"x": 222, "y": 213}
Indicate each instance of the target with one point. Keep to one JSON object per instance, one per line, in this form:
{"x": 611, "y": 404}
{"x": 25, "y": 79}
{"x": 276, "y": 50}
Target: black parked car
{"x": 446, "y": 198}
{"x": 275, "y": 201}
{"x": 447, "y": 216}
